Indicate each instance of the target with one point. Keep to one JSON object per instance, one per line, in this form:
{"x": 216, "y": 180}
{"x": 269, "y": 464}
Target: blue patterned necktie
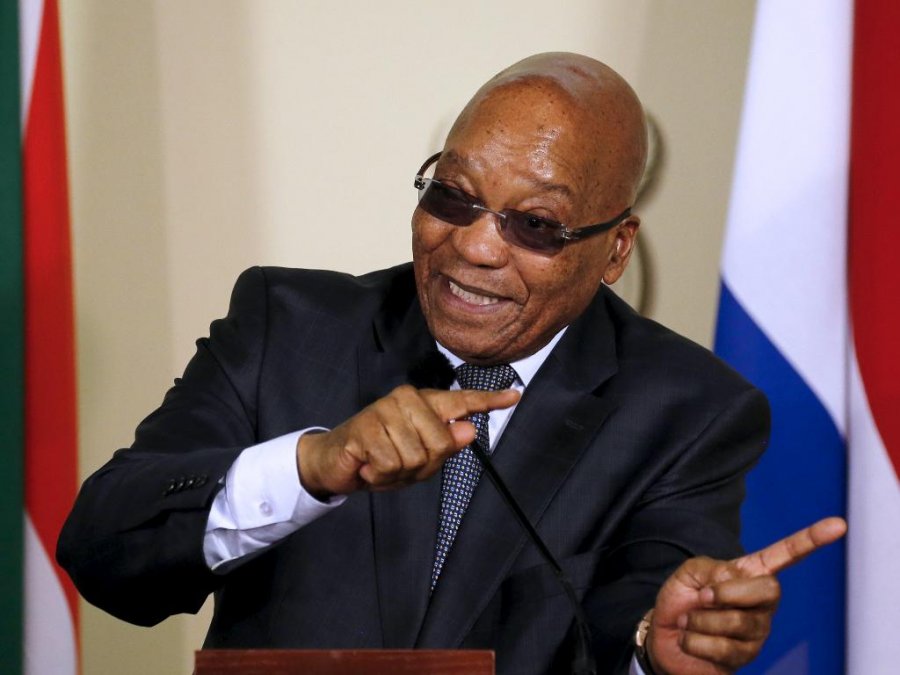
{"x": 462, "y": 471}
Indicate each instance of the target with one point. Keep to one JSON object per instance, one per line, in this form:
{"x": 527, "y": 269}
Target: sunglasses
{"x": 526, "y": 230}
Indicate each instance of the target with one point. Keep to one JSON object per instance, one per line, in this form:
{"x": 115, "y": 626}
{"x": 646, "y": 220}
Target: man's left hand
{"x": 713, "y": 616}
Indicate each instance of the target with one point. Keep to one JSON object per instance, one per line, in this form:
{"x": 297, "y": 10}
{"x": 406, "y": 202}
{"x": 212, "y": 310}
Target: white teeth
{"x": 472, "y": 298}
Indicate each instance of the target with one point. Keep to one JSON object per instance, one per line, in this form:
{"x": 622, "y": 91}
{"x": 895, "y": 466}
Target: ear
{"x": 622, "y": 244}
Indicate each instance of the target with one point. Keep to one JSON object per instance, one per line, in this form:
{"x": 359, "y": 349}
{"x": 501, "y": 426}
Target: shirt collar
{"x": 525, "y": 368}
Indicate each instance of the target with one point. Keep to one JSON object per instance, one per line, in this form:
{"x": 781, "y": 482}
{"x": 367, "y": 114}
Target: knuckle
{"x": 742, "y": 652}
{"x": 371, "y": 417}
{"x": 720, "y": 651}
{"x": 403, "y": 391}
{"x": 412, "y": 465}
{"x": 743, "y": 623}
{"x": 771, "y": 587}
{"x": 401, "y": 397}
{"x": 389, "y": 465}
{"x": 351, "y": 447}
{"x": 753, "y": 621}
{"x": 762, "y": 624}
{"x": 696, "y": 565}
{"x": 731, "y": 653}
{"x": 416, "y": 459}
{"x": 760, "y": 627}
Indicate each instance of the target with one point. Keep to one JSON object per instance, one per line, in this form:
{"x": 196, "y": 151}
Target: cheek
{"x": 562, "y": 287}
{"x": 549, "y": 276}
{"x": 546, "y": 280}
{"x": 427, "y": 234}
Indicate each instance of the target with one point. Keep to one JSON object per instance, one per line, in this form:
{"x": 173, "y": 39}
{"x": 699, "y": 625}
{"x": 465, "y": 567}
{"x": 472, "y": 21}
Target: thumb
{"x": 463, "y": 433}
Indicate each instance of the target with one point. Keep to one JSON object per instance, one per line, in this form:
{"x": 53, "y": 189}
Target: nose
{"x": 480, "y": 243}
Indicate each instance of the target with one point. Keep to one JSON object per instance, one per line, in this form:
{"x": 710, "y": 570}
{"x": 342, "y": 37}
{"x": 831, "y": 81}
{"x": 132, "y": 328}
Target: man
{"x": 296, "y": 473}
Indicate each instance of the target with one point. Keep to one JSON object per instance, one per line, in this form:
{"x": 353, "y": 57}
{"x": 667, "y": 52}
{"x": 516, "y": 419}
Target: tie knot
{"x": 485, "y": 378}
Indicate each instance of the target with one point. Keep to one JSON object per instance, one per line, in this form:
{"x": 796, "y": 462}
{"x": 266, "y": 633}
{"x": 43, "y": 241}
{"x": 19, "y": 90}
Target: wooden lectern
{"x": 344, "y": 662}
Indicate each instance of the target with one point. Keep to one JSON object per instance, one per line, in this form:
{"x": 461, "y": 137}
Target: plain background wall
{"x": 207, "y": 136}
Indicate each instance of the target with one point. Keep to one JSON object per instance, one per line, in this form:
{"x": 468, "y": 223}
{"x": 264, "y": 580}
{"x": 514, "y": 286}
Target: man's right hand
{"x": 398, "y": 440}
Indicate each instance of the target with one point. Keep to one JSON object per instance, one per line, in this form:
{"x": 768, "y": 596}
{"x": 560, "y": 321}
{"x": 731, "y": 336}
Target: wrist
{"x": 306, "y": 467}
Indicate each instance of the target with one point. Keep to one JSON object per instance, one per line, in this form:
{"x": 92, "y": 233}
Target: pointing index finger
{"x": 794, "y": 548}
{"x": 459, "y": 403}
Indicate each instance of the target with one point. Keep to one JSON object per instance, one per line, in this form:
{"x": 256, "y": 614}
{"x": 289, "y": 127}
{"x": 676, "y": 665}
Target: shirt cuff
{"x": 262, "y": 502}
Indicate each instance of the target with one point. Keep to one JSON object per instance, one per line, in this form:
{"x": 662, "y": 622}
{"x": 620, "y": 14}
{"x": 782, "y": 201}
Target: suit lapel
{"x": 552, "y": 426}
{"x": 404, "y": 522}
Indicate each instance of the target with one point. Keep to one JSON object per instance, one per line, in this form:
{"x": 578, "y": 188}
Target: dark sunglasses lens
{"x": 448, "y": 204}
{"x": 529, "y": 231}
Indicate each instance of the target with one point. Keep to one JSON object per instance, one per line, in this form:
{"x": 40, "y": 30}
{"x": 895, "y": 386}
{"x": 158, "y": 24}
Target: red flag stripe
{"x": 874, "y": 239}
{"x": 50, "y": 409}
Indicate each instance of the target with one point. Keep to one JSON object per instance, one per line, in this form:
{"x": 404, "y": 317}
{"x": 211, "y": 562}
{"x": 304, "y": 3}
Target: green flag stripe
{"x": 11, "y": 340}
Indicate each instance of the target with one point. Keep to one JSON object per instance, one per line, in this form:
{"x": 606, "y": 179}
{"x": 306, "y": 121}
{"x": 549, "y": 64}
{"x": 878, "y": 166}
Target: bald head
{"x": 558, "y": 139}
{"x": 560, "y": 94}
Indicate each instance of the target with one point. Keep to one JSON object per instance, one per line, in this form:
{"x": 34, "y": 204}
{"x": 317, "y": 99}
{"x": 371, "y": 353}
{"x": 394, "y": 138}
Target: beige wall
{"x": 207, "y": 136}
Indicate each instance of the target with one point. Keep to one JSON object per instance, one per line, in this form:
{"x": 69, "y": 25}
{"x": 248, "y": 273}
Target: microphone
{"x": 435, "y": 371}
{"x": 432, "y": 371}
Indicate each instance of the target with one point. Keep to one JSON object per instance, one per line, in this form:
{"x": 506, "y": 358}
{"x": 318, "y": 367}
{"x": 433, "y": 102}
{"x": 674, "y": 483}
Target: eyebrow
{"x": 453, "y": 157}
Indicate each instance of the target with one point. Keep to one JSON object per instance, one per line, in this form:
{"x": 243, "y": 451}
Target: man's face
{"x": 487, "y": 300}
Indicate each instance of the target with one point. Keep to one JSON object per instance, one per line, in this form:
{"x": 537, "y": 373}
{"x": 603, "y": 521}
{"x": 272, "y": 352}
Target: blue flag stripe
{"x": 799, "y": 480}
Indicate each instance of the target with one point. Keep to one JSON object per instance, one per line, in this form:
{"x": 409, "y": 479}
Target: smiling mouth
{"x": 470, "y": 297}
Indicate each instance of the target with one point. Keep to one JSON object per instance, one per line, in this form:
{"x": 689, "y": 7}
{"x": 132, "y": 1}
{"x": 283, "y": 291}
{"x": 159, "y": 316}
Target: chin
{"x": 465, "y": 347}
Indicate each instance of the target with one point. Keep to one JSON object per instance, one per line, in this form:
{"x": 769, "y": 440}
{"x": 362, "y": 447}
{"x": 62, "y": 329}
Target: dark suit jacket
{"x": 628, "y": 450}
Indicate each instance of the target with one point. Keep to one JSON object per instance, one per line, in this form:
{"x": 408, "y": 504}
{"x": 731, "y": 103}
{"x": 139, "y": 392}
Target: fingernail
{"x": 707, "y": 596}
{"x": 682, "y": 621}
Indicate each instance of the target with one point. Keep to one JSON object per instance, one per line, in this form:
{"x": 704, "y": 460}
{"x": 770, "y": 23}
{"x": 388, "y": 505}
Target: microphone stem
{"x": 583, "y": 662}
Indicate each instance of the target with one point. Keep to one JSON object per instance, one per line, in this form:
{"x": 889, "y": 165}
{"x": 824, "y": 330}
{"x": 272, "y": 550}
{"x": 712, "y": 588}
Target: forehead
{"x": 533, "y": 127}
{"x": 535, "y": 113}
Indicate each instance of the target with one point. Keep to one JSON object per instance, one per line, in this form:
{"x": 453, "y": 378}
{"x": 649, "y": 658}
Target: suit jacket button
{"x": 200, "y": 480}
{"x": 170, "y": 488}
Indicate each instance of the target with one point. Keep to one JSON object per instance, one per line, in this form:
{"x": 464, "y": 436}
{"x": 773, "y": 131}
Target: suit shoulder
{"x": 652, "y": 351}
{"x": 326, "y": 292}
